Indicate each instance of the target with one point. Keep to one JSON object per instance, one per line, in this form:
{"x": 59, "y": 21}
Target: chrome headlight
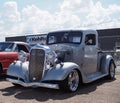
{"x": 22, "y": 56}
{"x": 51, "y": 58}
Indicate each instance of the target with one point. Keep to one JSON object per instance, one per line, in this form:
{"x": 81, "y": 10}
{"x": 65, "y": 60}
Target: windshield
{"x": 6, "y": 47}
{"x": 64, "y": 37}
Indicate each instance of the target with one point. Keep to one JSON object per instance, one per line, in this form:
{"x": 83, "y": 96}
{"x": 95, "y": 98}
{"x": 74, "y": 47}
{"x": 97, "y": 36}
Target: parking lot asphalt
{"x": 118, "y": 69}
{"x": 100, "y": 91}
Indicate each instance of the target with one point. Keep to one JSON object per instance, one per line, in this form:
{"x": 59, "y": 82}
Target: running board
{"x": 95, "y": 76}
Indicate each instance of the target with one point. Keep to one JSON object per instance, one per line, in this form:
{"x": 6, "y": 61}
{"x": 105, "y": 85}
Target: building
{"x": 31, "y": 39}
{"x": 16, "y": 38}
{"x": 108, "y": 38}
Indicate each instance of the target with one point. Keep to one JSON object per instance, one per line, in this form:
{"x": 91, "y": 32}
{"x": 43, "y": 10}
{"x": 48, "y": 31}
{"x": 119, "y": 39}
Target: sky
{"x": 27, "y": 17}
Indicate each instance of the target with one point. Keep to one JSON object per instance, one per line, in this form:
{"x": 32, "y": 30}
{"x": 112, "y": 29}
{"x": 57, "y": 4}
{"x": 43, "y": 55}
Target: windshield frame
{"x": 71, "y": 34}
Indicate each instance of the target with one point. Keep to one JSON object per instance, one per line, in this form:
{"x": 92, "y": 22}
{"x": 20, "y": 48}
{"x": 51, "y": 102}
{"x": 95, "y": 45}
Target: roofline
{"x": 82, "y": 30}
{"x": 17, "y": 42}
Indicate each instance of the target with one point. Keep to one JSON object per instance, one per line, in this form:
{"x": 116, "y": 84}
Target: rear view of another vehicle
{"x": 9, "y": 53}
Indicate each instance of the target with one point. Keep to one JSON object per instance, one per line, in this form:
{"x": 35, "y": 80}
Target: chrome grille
{"x": 36, "y": 65}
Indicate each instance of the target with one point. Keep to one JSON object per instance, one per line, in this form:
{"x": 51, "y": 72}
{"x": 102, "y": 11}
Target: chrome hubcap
{"x": 73, "y": 80}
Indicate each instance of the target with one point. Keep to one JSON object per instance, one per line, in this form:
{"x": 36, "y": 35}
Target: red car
{"x": 9, "y": 53}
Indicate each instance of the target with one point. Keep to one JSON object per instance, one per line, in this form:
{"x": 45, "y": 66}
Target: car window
{"x": 6, "y": 47}
{"x": 64, "y": 37}
{"x": 90, "y": 39}
{"x": 22, "y": 47}
{"x": 28, "y": 47}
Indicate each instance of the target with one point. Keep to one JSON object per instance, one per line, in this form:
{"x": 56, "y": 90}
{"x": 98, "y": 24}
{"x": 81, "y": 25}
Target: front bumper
{"x": 31, "y": 84}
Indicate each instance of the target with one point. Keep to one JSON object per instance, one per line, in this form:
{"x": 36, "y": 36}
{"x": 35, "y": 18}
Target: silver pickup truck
{"x": 70, "y": 58}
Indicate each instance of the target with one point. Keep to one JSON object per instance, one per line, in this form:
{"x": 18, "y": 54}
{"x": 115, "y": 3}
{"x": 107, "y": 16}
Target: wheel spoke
{"x": 111, "y": 70}
{"x": 73, "y": 80}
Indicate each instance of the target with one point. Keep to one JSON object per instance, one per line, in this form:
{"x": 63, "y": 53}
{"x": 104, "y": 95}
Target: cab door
{"x": 90, "y": 54}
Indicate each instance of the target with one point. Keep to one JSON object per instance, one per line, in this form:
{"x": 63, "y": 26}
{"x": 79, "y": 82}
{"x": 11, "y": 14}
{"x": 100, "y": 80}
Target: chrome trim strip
{"x": 39, "y": 84}
{"x": 44, "y": 64}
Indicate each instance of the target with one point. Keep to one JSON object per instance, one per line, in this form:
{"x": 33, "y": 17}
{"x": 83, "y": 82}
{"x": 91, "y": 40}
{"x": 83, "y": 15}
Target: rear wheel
{"x": 111, "y": 70}
{"x": 71, "y": 83}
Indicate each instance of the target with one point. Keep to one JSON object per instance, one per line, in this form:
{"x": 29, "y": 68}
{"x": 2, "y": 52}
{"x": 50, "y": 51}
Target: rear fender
{"x": 105, "y": 63}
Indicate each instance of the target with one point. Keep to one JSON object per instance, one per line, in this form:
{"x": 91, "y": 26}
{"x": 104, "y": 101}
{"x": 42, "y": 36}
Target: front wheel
{"x": 111, "y": 70}
{"x": 71, "y": 83}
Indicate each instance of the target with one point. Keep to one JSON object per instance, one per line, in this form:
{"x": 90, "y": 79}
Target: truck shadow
{"x": 3, "y": 77}
{"x": 43, "y": 94}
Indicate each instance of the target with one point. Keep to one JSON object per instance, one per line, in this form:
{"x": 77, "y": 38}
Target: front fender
{"x": 19, "y": 69}
{"x": 60, "y": 71}
{"x": 105, "y": 63}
